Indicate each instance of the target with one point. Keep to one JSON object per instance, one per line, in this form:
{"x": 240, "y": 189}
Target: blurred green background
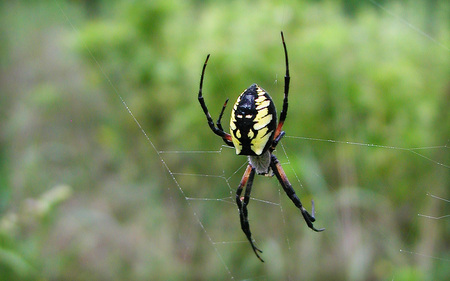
{"x": 84, "y": 195}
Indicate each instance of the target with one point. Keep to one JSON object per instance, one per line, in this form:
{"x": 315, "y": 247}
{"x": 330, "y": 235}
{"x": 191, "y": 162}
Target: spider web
{"x": 276, "y": 203}
{"x": 224, "y": 240}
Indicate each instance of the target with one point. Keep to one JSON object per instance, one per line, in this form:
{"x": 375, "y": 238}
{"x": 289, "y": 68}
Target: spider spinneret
{"x": 255, "y": 133}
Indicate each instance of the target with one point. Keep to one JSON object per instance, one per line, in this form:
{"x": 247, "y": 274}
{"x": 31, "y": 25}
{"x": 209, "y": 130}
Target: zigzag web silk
{"x": 226, "y": 176}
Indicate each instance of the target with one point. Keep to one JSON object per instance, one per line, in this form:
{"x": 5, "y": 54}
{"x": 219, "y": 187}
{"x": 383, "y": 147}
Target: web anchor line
{"x": 411, "y": 150}
{"x": 158, "y": 153}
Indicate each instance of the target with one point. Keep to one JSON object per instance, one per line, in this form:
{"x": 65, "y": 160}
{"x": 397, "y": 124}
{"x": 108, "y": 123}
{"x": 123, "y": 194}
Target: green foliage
{"x": 21, "y": 260}
{"x": 364, "y": 73}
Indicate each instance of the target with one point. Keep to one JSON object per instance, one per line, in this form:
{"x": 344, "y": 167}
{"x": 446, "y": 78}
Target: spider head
{"x": 253, "y": 121}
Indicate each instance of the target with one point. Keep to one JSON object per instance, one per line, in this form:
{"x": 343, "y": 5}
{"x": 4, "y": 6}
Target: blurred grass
{"x": 359, "y": 74}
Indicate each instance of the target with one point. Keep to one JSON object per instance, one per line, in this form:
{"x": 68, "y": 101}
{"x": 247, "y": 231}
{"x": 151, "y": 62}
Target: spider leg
{"x": 247, "y": 179}
{"x": 282, "y": 178}
{"x": 218, "y": 131}
{"x": 287, "y": 80}
{"x": 219, "y": 124}
{"x": 276, "y": 140}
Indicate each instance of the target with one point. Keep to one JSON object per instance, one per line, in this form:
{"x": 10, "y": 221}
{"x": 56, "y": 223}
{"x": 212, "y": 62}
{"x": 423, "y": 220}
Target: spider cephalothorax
{"x": 255, "y": 133}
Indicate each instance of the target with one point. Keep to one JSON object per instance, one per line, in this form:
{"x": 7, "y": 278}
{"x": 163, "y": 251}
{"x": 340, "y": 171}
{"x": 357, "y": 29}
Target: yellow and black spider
{"x": 255, "y": 133}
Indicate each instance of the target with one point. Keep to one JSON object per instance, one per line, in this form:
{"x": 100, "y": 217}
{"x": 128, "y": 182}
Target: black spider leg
{"x": 219, "y": 124}
{"x": 287, "y": 80}
{"x": 218, "y": 131}
{"x": 247, "y": 179}
{"x": 282, "y": 178}
{"x": 276, "y": 141}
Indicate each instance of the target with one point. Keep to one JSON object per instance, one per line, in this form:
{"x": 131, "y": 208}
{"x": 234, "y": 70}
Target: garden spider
{"x": 255, "y": 133}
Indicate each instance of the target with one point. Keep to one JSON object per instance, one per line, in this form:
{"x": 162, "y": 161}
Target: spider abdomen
{"x": 253, "y": 121}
